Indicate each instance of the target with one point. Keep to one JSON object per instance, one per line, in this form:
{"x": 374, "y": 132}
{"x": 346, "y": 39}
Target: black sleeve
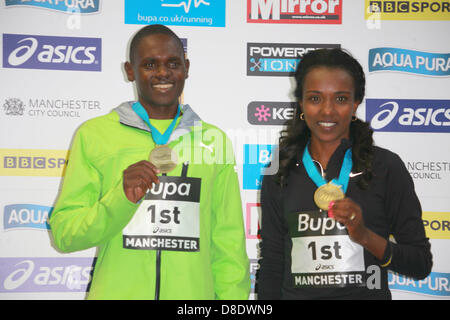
{"x": 410, "y": 253}
{"x": 271, "y": 264}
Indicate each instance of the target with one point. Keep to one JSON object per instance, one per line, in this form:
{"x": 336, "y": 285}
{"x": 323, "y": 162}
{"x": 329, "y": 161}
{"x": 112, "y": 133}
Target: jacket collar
{"x": 188, "y": 122}
{"x": 335, "y": 163}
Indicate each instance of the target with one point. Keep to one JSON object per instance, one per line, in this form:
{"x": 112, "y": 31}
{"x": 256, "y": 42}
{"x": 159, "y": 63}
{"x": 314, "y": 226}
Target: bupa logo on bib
{"x": 408, "y": 115}
{"x": 79, "y": 6}
{"x": 51, "y": 53}
{"x": 409, "y": 61}
{"x": 323, "y": 255}
{"x": 168, "y": 217}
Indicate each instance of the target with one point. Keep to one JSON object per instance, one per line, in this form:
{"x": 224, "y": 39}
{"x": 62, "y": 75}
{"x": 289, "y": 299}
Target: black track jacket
{"x": 390, "y": 207}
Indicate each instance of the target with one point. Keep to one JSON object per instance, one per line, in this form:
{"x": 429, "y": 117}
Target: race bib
{"x": 323, "y": 255}
{"x": 168, "y": 217}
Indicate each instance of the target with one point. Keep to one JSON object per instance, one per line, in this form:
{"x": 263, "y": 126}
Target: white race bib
{"x": 323, "y": 255}
{"x": 168, "y": 217}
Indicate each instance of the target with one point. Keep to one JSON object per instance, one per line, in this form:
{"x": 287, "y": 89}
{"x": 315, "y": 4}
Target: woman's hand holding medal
{"x": 138, "y": 178}
{"x": 349, "y": 213}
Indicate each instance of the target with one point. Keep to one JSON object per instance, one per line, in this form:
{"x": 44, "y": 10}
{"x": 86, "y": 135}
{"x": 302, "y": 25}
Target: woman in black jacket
{"x": 328, "y": 214}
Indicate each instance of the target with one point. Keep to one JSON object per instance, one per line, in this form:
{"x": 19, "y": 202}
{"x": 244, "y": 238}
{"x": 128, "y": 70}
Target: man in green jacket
{"x": 155, "y": 189}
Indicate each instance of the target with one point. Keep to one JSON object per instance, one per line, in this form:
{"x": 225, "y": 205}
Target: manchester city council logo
{"x": 14, "y": 107}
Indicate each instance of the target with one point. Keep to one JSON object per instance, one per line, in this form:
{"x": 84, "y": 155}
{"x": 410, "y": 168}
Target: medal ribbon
{"x": 158, "y": 137}
{"x": 316, "y": 177}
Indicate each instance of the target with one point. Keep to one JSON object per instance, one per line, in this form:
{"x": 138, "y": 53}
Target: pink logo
{"x": 263, "y": 113}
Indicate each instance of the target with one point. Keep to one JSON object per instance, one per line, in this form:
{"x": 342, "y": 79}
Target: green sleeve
{"x": 86, "y": 216}
{"x": 230, "y": 263}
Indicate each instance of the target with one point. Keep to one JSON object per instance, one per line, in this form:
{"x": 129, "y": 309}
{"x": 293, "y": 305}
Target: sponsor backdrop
{"x": 62, "y": 63}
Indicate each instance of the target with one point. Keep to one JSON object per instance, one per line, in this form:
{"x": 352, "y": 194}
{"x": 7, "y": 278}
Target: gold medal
{"x": 164, "y": 158}
{"x": 327, "y": 193}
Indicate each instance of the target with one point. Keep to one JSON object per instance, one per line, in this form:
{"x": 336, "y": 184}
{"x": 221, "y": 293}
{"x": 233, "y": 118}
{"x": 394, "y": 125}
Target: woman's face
{"x": 328, "y": 104}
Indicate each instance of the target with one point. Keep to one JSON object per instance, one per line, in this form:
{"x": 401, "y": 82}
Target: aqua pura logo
{"x": 26, "y": 216}
{"x": 201, "y": 13}
{"x": 409, "y": 61}
{"x": 436, "y": 284}
{"x": 254, "y": 266}
{"x": 68, "y": 6}
{"x": 79, "y": 6}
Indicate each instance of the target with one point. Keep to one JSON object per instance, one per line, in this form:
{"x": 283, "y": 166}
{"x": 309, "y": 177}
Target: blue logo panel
{"x": 81, "y": 6}
{"x": 408, "y": 115}
{"x": 201, "y": 13}
{"x": 52, "y": 52}
{"x": 409, "y": 61}
{"x": 436, "y": 284}
{"x": 26, "y": 216}
{"x": 256, "y": 158}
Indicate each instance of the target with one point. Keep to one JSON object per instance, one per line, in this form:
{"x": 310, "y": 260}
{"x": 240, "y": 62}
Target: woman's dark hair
{"x": 296, "y": 136}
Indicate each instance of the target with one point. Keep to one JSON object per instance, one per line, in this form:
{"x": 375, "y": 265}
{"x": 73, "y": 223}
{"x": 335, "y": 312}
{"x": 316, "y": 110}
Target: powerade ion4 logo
{"x": 52, "y": 53}
{"x": 278, "y": 59}
{"x": 200, "y": 13}
{"x": 295, "y": 11}
{"x": 409, "y": 61}
{"x": 79, "y": 6}
{"x": 406, "y": 115}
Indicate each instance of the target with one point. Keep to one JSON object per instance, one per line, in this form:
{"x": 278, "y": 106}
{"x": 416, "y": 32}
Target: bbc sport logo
{"x": 33, "y": 162}
{"x": 200, "y": 13}
{"x": 408, "y": 10}
{"x": 408, "y": 115}
{"x": 51, "y": 53}
{"x": 437, "y": 224}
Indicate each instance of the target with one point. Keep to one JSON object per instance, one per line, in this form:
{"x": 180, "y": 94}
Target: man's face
{"x": 159, "y": 69}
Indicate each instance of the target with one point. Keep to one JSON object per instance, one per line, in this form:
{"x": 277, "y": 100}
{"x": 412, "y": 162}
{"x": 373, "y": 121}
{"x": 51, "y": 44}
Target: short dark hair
{"x": 332, "y": 58}
{"x": 151, "y": 30}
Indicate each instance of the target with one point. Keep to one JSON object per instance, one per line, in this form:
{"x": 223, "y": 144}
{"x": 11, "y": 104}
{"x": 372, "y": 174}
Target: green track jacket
{"x": 92, "y": 211}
